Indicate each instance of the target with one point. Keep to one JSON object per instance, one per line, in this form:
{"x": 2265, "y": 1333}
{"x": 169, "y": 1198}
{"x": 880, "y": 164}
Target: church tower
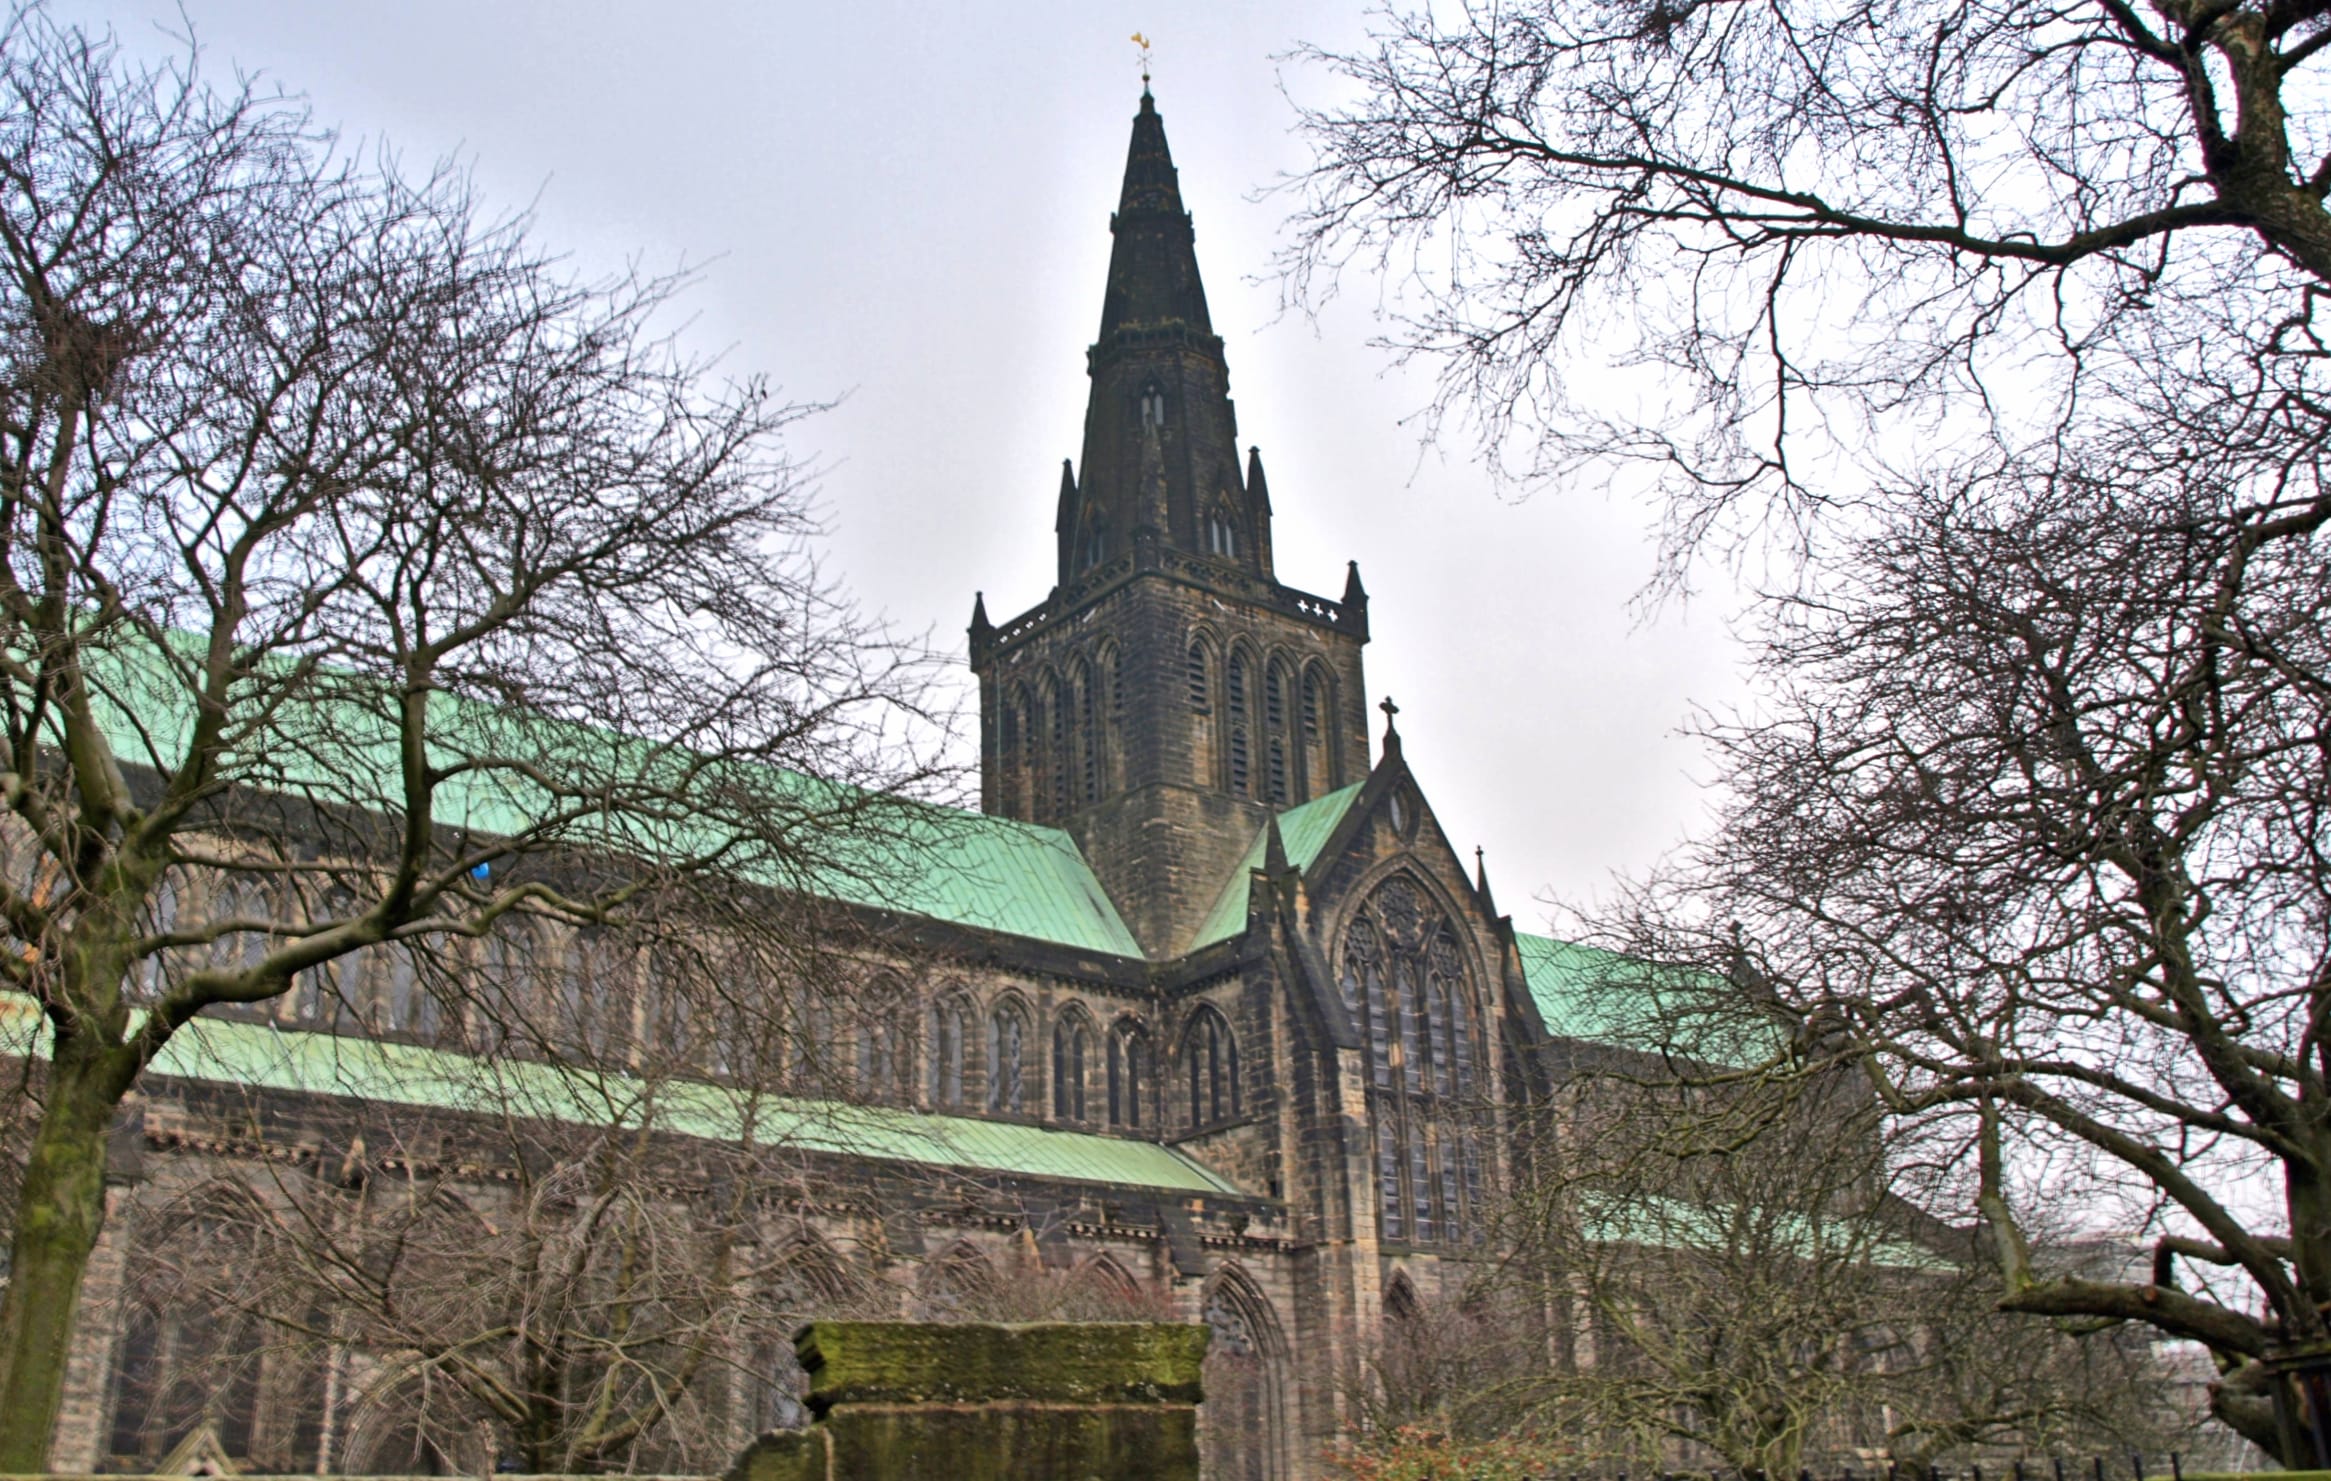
{"x": 1169, "y": 694}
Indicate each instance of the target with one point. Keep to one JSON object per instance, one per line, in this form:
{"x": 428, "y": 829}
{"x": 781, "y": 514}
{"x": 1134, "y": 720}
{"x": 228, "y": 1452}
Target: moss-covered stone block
{"x": 1054, "y": 1401}
{"x": 1113, "y": 1363}
{"x": 1014, "y": 1442}
{"x": 795, "y": 1455}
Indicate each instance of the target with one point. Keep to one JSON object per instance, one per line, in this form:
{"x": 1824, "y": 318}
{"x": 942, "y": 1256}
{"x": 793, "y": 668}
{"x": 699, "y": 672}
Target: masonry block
{"x": 1053, "y": 1401}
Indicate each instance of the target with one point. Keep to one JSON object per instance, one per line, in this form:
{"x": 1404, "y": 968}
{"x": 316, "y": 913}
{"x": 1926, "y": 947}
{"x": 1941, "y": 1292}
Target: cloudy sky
{"x": 905, "y": 207}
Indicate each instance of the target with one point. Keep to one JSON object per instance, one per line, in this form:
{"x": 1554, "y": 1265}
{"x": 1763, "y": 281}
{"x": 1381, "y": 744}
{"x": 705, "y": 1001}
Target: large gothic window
{"x": 1404, "y": 980}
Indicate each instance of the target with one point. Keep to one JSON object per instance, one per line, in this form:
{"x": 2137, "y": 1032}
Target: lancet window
{"x": 1129, "y": 1076}
{"x": 1210, "y": 1068}
{"x": 950, "y": 1026}
{"x": 1007, "y": 1047}
{"x": 1072, "y": 1053}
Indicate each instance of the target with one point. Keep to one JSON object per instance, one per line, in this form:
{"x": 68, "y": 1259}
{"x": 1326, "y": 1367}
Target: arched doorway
{"x": 1242, "y": 1426}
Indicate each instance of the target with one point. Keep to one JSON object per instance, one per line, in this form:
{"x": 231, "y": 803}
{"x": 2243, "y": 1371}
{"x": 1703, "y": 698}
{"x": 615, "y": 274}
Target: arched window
{"x": 1210, "y": 1067}
{"x": 1277, "y": 778}
{"x": 188, "y": 1358}
{"x": 1235, "y": 717}
{"x": 885, "y": 1044}
{"x": 1153, "y": 405}
{"x": 412, "y": 1008}
{"x": 1403, "y": 976}
{"x": 950, "y": 1027}
{"x": 239, "y": 899}
{"x": 1096, "y": 542}
{"x": 1088, "y": 734}
{"x": 1242, "y": 1427}
{"x": 1057, "y": 765}
{"x": 1072, "y": 1052}
{"x": 1319, "y": 773}
{"x": 325, "y": 996}
{"x": 1129, "y": 1075}
{"x": 957, "y": 1285}
{"x": 596, "y": 983}
{"x": 1221, "y": 533}
{"x": 1199, "y": 679}
{"x": 1007, "y": 1048}
{"x": 1010, "y": 721}
{"x": 806, "y": 1282}
{"x": 152, "y": 976}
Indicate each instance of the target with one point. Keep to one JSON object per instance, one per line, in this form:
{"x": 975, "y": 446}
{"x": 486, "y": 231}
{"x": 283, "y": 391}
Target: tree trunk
{"x": 57, "y": 1218}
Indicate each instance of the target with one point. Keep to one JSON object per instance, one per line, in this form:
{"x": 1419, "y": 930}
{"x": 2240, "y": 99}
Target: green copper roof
{"x": 993, "y": 873}
{"x": 1304, "y": 830}
{"x": 338, "y": 745}
{"x": 262, "y": 1057}
{"x": 1578, "y": 989}
{"x": 1586, "y": 992}
{"x": 1659, "y": 1222}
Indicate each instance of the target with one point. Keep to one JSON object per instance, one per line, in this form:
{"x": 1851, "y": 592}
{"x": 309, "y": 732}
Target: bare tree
{"x": 1712, "y": 1270}
{"x": 2006, "y": 317}
{"x": 2031, "y": 827}
{"x": 1834, "y": 239}
{"x": 365, "y": 578}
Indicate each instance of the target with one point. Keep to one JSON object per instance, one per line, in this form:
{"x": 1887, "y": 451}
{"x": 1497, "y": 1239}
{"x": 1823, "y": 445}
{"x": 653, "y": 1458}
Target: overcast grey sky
{"x": 906, "y": 206}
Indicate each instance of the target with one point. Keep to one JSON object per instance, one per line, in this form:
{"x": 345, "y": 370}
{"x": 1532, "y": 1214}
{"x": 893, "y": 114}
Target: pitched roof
{"x": 260, "y": 1056}
{"x": 1304, "y": 830}
{"x": 1606, "y": 997}
{"x": 915, "y": 858}
{"x": 1573, "y": 987}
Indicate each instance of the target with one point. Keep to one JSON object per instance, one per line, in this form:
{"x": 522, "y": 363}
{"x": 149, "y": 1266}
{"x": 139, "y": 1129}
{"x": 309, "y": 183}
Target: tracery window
{"x": 1210, "y": 1067}
{"x": 950, "y": 1025}
{"x": 1072, "y": 1051}
{"x": 1403, "y": 978}
{"x": 1007, "y": 1044}
{"x": 886, "y": 1048}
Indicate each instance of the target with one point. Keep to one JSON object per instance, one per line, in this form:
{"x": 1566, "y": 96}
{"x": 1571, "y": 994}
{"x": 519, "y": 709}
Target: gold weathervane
{"x": 1143, "y": 42}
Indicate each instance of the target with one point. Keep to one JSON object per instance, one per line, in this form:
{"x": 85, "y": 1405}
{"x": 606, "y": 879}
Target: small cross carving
{"x": 1390, "y": 709}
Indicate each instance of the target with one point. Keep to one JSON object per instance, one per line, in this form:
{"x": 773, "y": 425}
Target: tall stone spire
{"x": 1160, "y": 398}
